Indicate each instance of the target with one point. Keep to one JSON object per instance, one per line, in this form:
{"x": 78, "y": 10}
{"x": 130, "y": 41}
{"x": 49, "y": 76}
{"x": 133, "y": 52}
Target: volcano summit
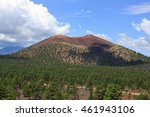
{"x": 88, "y": 49}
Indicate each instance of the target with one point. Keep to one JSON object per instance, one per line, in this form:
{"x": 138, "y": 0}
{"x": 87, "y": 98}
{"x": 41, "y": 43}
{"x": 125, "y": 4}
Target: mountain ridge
{"x": 10, "y": 50}
{"x": 82, "y": 50}
{"x": 88, "y": 40}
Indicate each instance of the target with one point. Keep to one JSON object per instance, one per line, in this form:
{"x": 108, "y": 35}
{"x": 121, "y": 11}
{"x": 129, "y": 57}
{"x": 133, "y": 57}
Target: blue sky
{"x": 124, "y": 22}
{"x": 100, "y": 16}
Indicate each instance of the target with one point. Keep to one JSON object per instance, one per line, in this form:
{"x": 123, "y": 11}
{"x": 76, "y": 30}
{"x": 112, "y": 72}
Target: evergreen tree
{"x": 100, "y": 91}
{"x": 113, "y": 92}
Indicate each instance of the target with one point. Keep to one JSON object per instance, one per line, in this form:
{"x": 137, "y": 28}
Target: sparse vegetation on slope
{"x": 79, "y": 54}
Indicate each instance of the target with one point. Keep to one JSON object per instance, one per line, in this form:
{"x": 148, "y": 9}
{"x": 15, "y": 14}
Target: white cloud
{"x": 24, "y": 22}
{"x": 143, "y": 26}
{"x": 99, "y": 35}
{"x": 71, "y": 0}
{"x": 74, "y": 1}
{"x": 83, "y": 13}
{"x": 139, "y": 9}
{"x": 140, "y": 44}
{"x": 7, "y": 38}
{"x": 80, "y": 27}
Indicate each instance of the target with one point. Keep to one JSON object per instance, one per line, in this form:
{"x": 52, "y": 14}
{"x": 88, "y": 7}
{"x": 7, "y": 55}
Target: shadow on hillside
{"x": 98, "y": 54}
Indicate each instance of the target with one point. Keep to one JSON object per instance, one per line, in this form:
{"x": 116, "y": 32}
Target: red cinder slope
{"x": 87, "y": 41}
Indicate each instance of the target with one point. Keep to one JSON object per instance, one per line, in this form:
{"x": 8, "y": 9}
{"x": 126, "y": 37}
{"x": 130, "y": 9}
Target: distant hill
{"x": 10, "y": 50}
{"x": 82, "y": 50}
